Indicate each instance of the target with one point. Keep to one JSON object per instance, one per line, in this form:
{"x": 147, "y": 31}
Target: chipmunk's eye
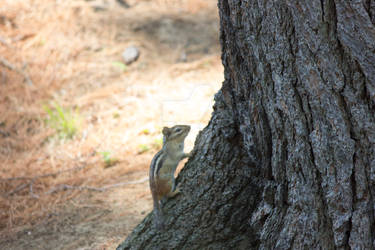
{"x": 178, "y": 130}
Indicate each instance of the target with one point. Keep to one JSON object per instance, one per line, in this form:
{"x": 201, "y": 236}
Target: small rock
{"x": 98, "y": 5}
{"x": 123, "y": 3}
{"x": 130, "y": 54}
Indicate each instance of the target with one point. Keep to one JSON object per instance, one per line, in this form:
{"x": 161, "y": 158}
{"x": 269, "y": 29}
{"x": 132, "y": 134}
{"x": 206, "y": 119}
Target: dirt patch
{"x": 86, "y": 222}
{"x": 61, "y": 193}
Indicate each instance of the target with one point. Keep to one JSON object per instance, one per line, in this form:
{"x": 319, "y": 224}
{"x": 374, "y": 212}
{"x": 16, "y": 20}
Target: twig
{"x": 8, "y": 65}
{"x": 19, "y": 188}
{"x": 63, "y": 187}
{"x": 144, "y": 179}
{"x": 31, "y": 190}
{"x": 22, "y": 37}
{"x": 44, "y": 175}
{"x": 5, "y": 42}
{"x": 31, "y": 180}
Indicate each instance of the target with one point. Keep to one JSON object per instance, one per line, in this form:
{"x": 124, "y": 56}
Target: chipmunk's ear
{"x": 166, "y": 131}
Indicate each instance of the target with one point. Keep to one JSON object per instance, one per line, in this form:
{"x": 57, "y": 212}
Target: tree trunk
{"x": 288, "y": 158}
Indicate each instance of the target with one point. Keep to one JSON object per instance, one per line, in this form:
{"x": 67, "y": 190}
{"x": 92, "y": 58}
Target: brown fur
{"x": 163, "y": 188}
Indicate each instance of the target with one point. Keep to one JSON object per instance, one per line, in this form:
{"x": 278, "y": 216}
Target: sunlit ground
{"x": 90, "y": 190}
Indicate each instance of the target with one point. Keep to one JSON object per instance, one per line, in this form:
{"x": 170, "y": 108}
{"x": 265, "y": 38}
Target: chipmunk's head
{"x": 176, "y": 133}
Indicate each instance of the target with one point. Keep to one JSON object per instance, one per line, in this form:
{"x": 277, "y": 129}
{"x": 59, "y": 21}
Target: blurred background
{"x": 85, "y": 89}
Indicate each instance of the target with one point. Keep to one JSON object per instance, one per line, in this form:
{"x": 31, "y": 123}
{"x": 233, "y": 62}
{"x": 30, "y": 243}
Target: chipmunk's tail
{"x": 158, "y": 213}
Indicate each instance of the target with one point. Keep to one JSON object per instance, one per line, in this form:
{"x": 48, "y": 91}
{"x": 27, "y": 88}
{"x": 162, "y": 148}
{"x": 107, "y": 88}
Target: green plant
{"x": 145, "y": 131}
{"x": 143, "y": 148}
{"x": 116, "y": 115}
{"x": 65, "y": 121}
{"x": 108, "y": 160}
{"x": 120, "y": 65}
{"x": 158, "y": 143}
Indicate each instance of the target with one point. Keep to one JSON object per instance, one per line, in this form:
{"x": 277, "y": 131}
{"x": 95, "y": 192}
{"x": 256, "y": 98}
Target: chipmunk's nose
{"x": 188, "y": 128}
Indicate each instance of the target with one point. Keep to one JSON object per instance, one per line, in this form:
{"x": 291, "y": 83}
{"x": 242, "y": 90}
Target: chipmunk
{"x": 163, "y": 166}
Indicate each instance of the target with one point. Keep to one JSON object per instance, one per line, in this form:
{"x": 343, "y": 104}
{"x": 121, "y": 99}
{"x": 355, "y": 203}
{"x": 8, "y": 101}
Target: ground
{"x": 91, "y": 190}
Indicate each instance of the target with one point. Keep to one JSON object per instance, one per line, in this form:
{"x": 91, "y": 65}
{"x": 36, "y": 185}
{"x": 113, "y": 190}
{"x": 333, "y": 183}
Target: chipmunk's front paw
{"x": 185, "y": 155}
{"x": 174, "y": 193}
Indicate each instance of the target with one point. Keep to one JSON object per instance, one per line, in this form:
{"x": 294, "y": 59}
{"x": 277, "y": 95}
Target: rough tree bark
{"x": 288, "y": 158}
